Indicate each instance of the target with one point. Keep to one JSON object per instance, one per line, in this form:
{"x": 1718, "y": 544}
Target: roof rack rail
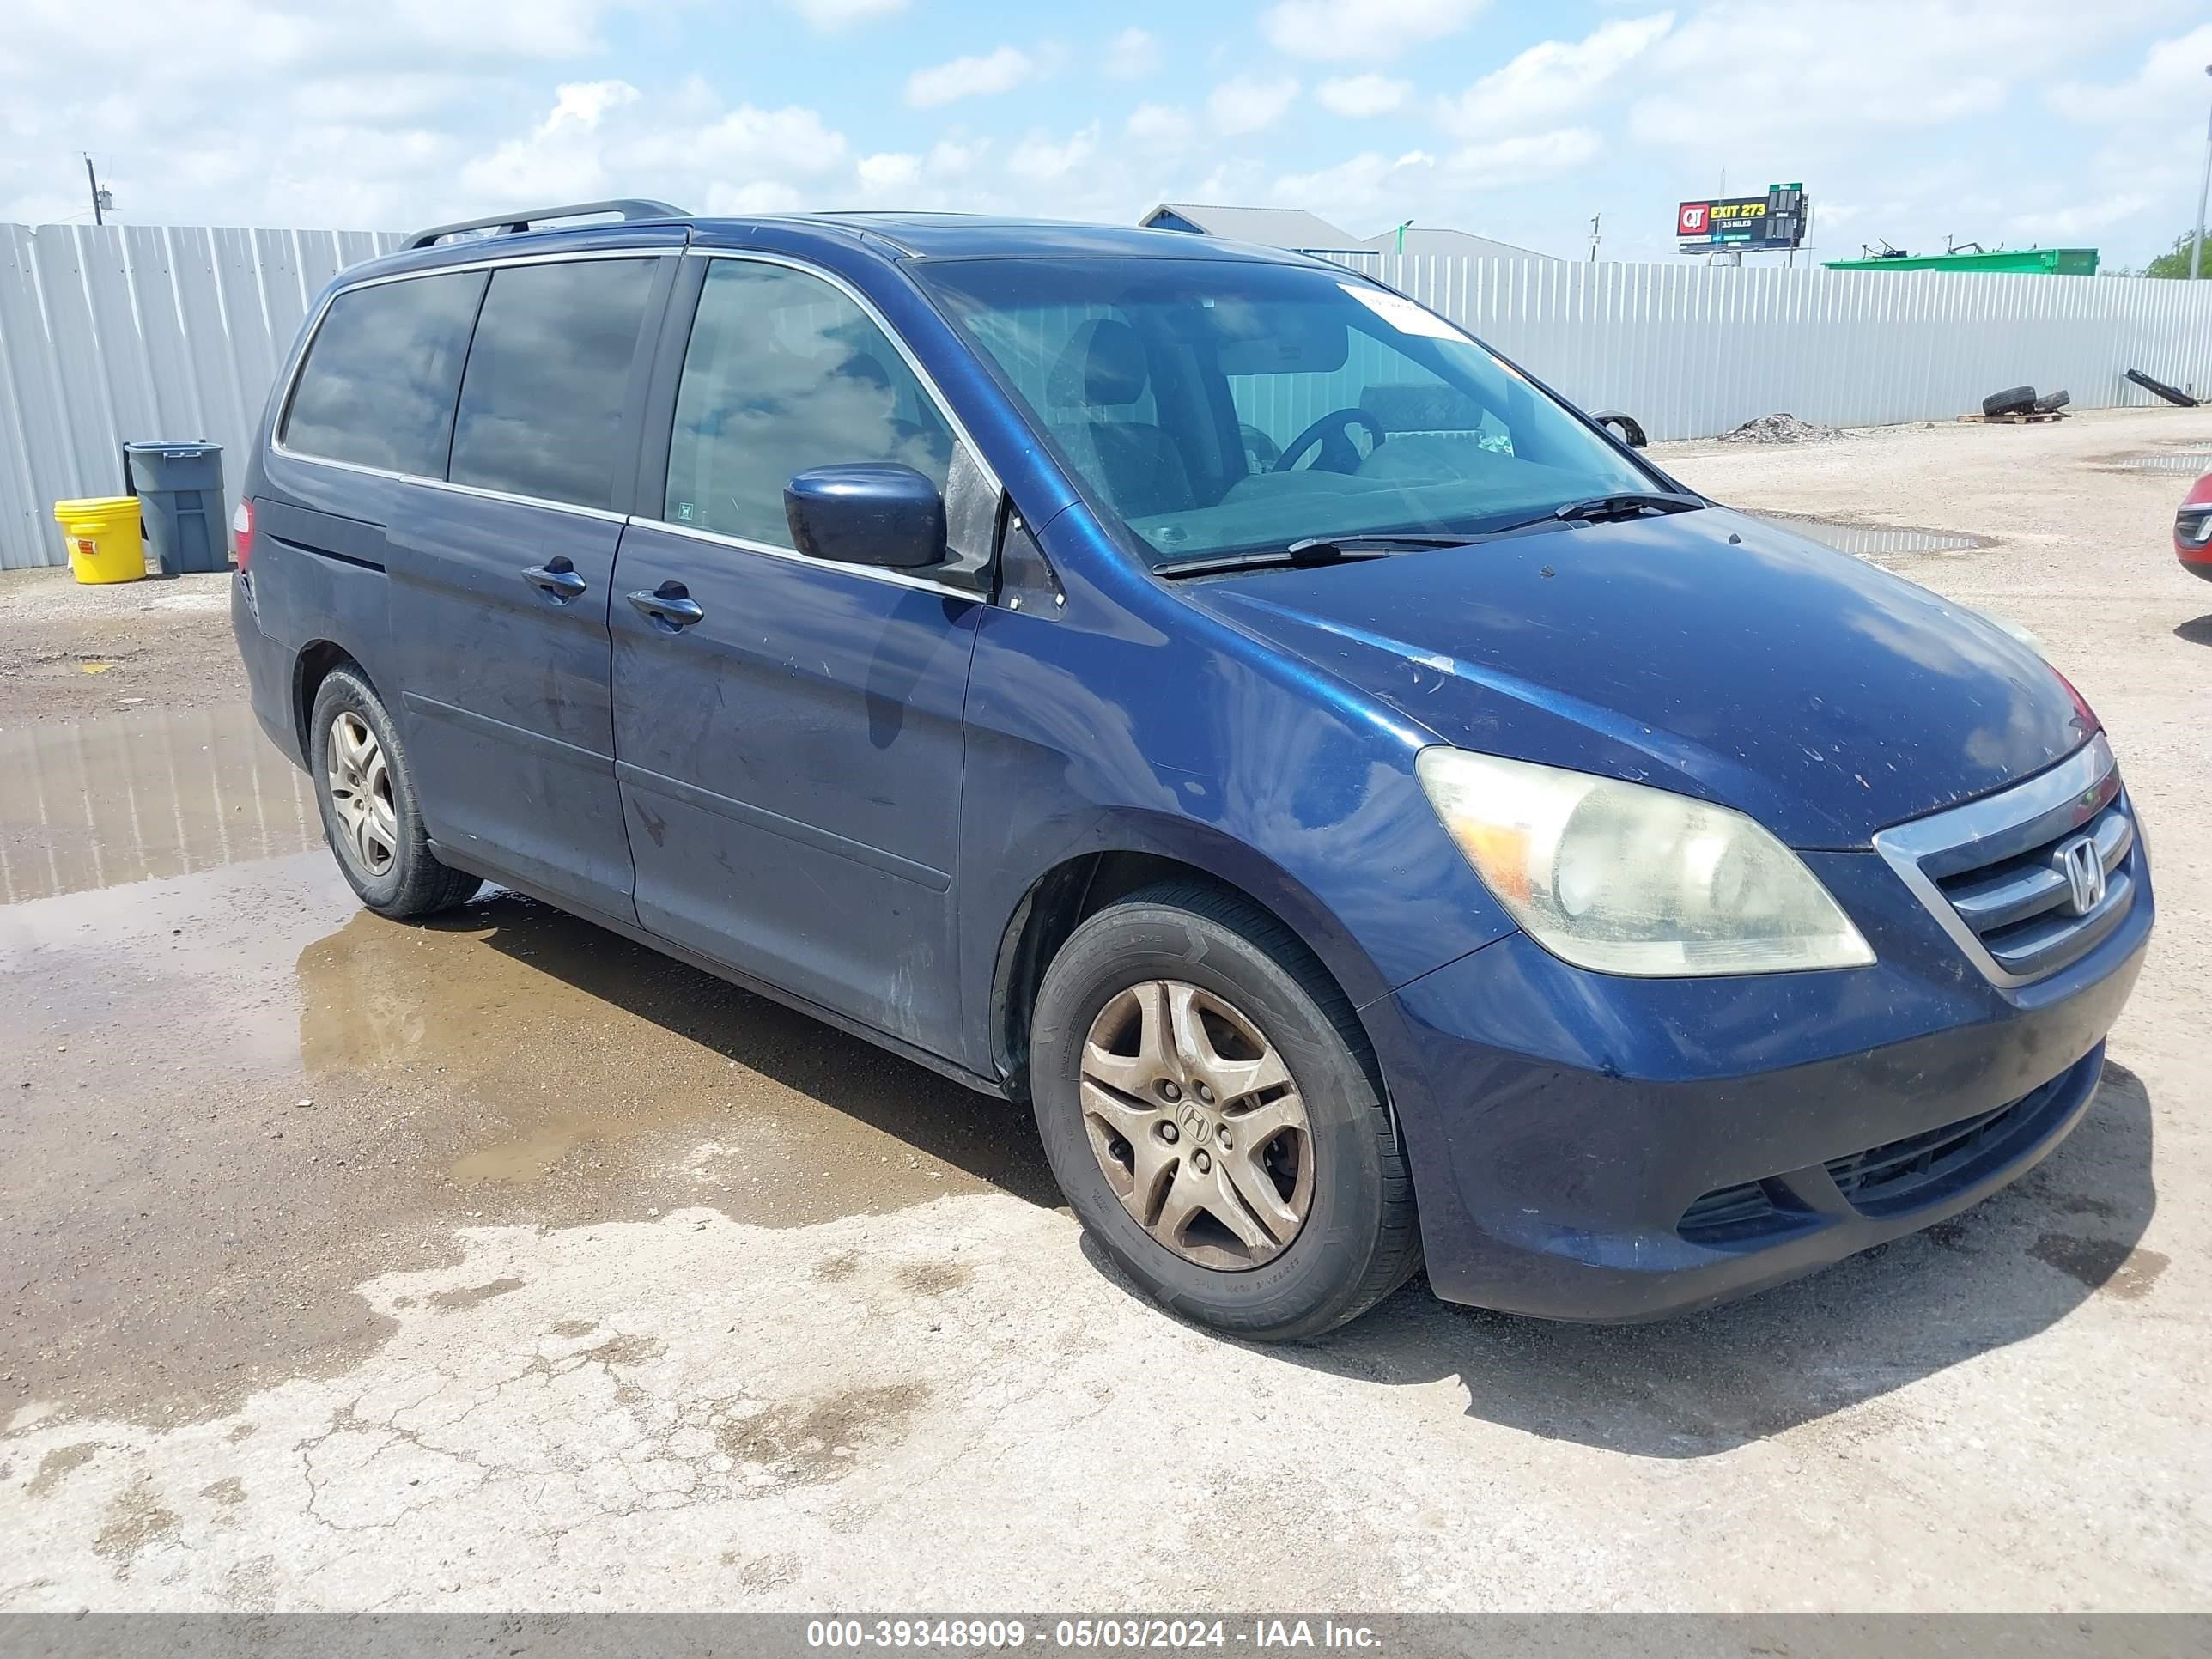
{"x": 509, "y": 224}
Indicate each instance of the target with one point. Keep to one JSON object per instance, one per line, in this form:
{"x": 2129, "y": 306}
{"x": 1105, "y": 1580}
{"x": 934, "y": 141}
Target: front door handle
{"x": 557, "y": 578}
{"x": 670, "y": 607}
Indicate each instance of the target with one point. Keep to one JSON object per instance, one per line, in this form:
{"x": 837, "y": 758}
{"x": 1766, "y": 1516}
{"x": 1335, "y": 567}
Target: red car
{"x": 2192, "y": 529}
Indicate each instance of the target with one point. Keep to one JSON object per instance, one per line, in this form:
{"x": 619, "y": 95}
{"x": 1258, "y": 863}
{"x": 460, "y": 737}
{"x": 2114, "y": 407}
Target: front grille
{"x": 1885, "y": 1180}
{"x": 1728, "y": 1213}
{"x": 1891, "y": 1175}
{"x": 1996, "y": 873}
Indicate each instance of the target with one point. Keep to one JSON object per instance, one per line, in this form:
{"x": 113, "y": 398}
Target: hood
{"x": 1823, "y": 696}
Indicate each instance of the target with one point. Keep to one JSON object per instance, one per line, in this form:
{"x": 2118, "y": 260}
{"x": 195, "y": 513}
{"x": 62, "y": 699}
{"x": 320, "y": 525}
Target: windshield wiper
{"x": 1313, "y": 550}
{"x": 1627, "y": 504}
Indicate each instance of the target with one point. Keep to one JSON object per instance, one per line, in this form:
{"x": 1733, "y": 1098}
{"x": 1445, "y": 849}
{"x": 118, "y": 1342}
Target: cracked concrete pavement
{"x": 498, "y": 1264}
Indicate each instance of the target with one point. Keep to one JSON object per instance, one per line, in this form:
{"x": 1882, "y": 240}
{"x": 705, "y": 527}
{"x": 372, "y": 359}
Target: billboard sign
{"x": 1744, "y": 223}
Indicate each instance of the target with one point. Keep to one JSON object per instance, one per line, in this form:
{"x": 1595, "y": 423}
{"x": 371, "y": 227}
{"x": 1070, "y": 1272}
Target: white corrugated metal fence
{"x": 116, "y": 333}
{"x": 125, "y": 332}
{"x": 1693, "y": 350}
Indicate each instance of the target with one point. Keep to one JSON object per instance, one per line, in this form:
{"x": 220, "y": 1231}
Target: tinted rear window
{"x": 541, "y": 410}
{"x": 380, "y": 382}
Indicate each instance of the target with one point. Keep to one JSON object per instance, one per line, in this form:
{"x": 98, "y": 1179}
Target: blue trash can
{"x": 180, "y": 487}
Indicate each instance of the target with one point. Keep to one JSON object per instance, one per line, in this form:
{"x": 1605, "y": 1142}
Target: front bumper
{"x": 1563, "y": 1124}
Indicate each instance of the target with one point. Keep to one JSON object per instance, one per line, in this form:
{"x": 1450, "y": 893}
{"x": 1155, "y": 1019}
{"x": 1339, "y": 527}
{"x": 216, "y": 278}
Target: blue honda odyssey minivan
{"x": 1374, "y": 817}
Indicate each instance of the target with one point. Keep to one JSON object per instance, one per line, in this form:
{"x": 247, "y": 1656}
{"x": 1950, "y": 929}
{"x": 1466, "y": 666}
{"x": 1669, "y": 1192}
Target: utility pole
{"x": 2197, "y": 242}
{"x": 1594, "y": 217}
{"x": 101, "y": 199}
{"x": 1402, "y": 234}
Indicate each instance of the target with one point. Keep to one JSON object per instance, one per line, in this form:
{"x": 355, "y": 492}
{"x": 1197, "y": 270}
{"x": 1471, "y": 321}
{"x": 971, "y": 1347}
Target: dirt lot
{"x": 73, "y": 653}
{"x": 499, "y": 1264}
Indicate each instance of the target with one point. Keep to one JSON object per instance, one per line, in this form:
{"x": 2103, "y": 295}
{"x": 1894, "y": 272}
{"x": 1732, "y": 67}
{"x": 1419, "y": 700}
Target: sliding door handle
{"x": 555, "y": 578}
{"x": 670, "y": 607}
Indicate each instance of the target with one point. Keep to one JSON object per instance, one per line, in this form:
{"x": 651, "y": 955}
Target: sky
{"x": 2068, "y": 122}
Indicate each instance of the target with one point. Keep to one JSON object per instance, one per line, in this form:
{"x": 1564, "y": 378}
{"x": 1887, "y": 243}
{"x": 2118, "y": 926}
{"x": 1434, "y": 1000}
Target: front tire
{"x": 366, "y": 797}
{"x": 1210, "y": 1107}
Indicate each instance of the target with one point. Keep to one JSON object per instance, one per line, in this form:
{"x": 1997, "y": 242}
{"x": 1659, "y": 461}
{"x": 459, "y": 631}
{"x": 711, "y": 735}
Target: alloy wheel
{"x": 1198, "y": 1124}
{"x": 360, "y": 782}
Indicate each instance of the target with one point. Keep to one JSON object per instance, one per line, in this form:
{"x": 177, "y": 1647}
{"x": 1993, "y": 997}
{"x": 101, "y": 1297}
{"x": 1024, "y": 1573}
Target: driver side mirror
{"x": 873, "y": 513}
{"x": 1631, "y": 430}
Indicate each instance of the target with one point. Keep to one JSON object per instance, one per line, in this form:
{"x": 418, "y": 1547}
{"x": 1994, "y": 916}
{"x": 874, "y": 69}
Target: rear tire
{"x": 366, "y": 797}
{"x": 1237, "y": 1000}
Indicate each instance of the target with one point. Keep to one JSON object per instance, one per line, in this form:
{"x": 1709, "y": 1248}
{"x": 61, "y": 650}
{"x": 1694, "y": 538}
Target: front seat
{"x": 1135, "y": 464}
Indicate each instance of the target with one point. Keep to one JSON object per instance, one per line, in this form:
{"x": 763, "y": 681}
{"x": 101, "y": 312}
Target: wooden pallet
{"x": 2015, "y": 420}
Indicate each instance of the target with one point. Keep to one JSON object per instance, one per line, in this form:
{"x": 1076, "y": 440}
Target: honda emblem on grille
{"x": 2079, "y": 861}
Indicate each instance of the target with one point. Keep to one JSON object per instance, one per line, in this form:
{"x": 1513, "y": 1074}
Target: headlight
{"x": 1627, "y": 879}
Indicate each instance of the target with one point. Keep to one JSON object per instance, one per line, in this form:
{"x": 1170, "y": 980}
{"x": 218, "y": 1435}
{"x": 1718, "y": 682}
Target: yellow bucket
{"x": 104, "y": 538}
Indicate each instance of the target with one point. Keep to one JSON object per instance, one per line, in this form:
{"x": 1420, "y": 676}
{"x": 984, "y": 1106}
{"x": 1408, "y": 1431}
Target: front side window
{"x": 382, "y": 375}
{"x": 785, "y": 373}
{"x": 548, "y": 372}
{"x": 1216, "y": 406}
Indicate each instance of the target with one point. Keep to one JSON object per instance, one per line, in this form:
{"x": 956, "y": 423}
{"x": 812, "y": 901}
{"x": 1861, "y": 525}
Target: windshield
{"x": 1216, "y": 406}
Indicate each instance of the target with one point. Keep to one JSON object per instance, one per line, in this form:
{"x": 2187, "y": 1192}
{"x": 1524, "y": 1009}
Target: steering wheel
{"x": 1329, "y": 433}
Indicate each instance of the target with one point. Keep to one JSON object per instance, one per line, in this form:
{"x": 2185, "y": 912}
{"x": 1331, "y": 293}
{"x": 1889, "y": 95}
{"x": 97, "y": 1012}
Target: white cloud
{"x": 1158, "y": 126}
{"x": 596, "y": 142}
{"x": 1856, "y": 72}
{"x": 584, "y": 102}
{"x": 1044, "y": 161}
{"x": 982, "y": 77}
{"x": 888, "y": 171}
{"x": 1552, "y": 79}
{"x": 956, "y": 157}
{"x": 1376, "y": 188}
{"x": 1370, "y": 30}
{"x": 829, "y": 15}
{"x": 2079, "y": 219}
{"x": 761, "y": 196}
{"x": 790, "y": 143}
{"x": 1365, "y": 188}
{"x": 1132, "y": 54}
{"x": 1521, "y": 160}
{"x": 1251, "y": 103}
{"x": 2170, "y": 83}
{"x": 1360, "y": 96}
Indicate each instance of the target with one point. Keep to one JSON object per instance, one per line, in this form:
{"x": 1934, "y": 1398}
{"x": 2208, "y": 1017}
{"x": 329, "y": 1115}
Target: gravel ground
{"x": 499, "y": 1264}
{"x": 74, "y": 652}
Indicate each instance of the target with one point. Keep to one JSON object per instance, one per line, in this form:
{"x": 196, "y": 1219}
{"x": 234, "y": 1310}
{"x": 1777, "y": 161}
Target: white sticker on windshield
{"x": 1401, "y": 313}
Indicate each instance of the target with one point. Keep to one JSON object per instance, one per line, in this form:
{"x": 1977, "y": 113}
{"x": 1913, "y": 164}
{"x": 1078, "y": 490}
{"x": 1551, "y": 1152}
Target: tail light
{"x": 2192, "y": 524}
{"x": 242, "y": 533}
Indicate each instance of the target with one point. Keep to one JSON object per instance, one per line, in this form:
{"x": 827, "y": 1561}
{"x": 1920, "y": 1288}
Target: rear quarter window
{"x": 383, "y": 373}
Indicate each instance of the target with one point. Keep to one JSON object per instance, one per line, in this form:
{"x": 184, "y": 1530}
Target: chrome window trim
{"x": 2080, "y": 776}
{"x": 922, "y": 378}
{"x": 871, "y": 573}
{"x": 605, "y": 514}
{"x": 791, "y": 555}
{"x": 277, "y": 447}
{"x": 868, "y": 307}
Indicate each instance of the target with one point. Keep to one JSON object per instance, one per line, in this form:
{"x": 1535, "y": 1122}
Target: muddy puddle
{"x": 571, "y": 1046}
{"x": 1873, "y": 541}
{"x": 2188, "y": 462}
{"x": 141, "y": 795}
{"x": 230, "y": 1094}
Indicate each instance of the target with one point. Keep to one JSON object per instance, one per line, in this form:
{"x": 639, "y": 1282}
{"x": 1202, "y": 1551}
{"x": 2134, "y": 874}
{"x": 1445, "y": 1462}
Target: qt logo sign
{"x": 1690, "y": 219}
